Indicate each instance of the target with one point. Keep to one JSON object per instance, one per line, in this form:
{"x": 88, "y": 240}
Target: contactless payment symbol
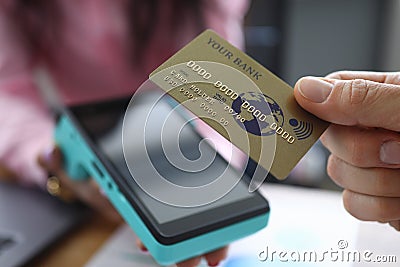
{"x": 301, "y": 129}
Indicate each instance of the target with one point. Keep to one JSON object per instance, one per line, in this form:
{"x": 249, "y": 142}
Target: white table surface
{"x": 303, "y": 221}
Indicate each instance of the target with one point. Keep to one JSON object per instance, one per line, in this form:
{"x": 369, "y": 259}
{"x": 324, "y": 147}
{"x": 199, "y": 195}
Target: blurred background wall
{"x": 390, "y": 49}
{"x": 315, "y": 37}
{"x": 294, "y": 38}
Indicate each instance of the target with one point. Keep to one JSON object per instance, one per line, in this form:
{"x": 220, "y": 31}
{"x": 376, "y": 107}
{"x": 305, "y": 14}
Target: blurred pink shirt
{"x": 90, "y": 62}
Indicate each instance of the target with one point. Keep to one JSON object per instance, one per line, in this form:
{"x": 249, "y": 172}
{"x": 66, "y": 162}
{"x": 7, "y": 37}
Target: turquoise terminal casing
{"x": 81, "y": 162}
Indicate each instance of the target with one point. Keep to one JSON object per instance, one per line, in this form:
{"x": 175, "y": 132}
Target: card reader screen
{"x": 104, "y": 125}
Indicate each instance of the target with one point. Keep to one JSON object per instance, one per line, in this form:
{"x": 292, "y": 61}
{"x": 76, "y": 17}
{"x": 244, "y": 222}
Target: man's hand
{"x": 364, "y": 138}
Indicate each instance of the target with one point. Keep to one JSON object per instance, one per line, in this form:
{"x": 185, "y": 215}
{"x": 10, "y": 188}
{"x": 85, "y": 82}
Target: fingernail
{"x": 314, "y": 89}
{"x": 390, "y": 152}
{"x": 48, "y": 155}
{"x": 144, "y": 249}
{"x": 213, "y": 264}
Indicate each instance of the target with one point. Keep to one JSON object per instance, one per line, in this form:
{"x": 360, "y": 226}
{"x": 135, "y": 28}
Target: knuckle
{"x": 393, "y": 78}
{"x": 384, "y": 185}
{"x": 325, "y": 137}
{"x": 383, "y": 208}
{"x": 337, "y": 74}
{"x": 329, "y": 136}
{"x": 356, "y": 96}
{"x": 333, "y": 170}
{"x": 358, "y": 91}
{"x": 381, "y": 183}
{"x": 348, "y": 202}
{"x": 356, "y": 151}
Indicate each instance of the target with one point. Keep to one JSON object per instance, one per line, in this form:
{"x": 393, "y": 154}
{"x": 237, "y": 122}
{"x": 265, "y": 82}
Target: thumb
{"x": 351, "y": 102}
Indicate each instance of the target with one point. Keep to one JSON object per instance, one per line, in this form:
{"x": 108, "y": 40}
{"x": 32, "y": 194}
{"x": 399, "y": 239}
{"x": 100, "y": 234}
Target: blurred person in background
{"x": 93, "y": 50}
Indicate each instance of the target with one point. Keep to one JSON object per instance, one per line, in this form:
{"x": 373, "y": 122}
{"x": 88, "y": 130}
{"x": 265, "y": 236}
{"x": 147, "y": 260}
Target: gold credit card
{"x": 241, "y": 100}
